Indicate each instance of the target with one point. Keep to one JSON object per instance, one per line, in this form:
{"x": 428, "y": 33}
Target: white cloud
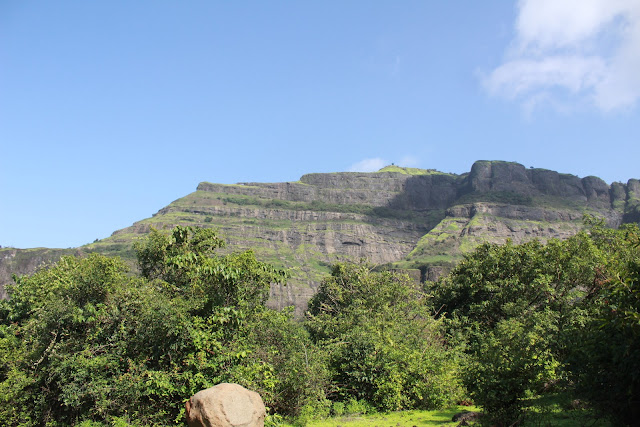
{"x": 409, "y": 162}
{"x": 368, "y": 165}
{"x": 522, "y": 76}
{"x": 572, "y": 51}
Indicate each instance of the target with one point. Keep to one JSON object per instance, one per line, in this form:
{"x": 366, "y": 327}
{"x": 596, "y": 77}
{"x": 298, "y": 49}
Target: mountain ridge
{"x": 419, "y": 220}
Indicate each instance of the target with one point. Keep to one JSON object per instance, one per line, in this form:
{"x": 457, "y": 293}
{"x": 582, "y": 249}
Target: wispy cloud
{"x": 409, "y": 161}
{"x": 571, "y": 51}
{"x": 368, "y": 165}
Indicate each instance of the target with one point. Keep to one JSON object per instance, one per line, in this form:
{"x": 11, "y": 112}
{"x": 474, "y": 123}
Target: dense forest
{"x": 89, "y": 342}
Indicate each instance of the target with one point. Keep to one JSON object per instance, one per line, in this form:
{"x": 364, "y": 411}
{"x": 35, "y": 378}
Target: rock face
{"x": 25, "y": 261}
{"x": 415, "y": 220}
{"x": 514, "y": 178}
{"x": 225, "y": 405}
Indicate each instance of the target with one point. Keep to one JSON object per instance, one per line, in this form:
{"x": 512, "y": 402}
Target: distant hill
{"x": 404, "y": 218}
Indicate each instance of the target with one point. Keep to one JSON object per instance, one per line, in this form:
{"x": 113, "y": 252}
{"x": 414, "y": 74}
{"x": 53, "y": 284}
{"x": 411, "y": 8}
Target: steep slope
{"x": 502, "y": 200}
{"x": 310, "y": 224}
{"x": 405, "y": 218}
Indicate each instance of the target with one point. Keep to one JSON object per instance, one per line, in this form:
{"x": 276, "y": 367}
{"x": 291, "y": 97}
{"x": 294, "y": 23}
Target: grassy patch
{"x": 412, "y": 171}
{"x": 556, "y": 409}
{"x": 561, "y": 410}
{"x": 556, "y": 202}
{"x": 507, "y": 197}
{"x": 395, "y": 419}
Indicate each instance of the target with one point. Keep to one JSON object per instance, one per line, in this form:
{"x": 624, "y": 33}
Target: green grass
{"x": 556, "y": 409}
{"x": 396, "y": 419}
{"x": 412, "y": 171}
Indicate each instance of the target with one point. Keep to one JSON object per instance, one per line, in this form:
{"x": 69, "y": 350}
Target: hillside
{"x": 415, "y": 219}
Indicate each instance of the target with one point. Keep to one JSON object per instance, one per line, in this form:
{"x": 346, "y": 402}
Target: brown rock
{"x": 225, "y": 405}
{"x": 464, "y": 417}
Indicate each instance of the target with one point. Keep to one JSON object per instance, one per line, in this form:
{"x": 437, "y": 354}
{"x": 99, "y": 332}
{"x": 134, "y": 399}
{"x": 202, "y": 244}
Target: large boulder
{"x": 225, "y": 405}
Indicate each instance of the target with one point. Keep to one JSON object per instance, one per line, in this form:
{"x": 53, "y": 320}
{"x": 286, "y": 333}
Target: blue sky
{"x": 110, "y": 110}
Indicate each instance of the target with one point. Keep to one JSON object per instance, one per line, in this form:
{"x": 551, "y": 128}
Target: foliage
{"x": 292, "y": 369}
{"x": 605, "y": 352}
{"x": 82, "y": 328}
{"x": 86, "y": 341}
{"x": 510, "y": 304}
{"x": 384, "y": 347}
{"x": 505, "y": 363}
{"x": 186, "y": 259}
{"x": 532, "y": 314}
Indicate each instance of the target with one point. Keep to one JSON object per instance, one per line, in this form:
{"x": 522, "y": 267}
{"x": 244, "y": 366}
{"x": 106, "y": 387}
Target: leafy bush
{"x": 358, "y": 407}
{"x": 86, "y": 341}
{"x": 511, "y": 304}
{"x": 384, "y": 347}
{"x": 337, "y": 409}
{"x": 532, "y": 314}
{"x": 604, "y": 352}
{"x": 294, "y": 369}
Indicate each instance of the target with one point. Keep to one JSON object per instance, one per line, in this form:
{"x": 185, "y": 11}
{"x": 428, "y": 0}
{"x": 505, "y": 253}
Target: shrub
{"x": 383, "y": 346}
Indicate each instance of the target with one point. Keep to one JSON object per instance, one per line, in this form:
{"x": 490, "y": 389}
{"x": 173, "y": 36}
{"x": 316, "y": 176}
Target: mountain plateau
{"x": 420, "y": 221}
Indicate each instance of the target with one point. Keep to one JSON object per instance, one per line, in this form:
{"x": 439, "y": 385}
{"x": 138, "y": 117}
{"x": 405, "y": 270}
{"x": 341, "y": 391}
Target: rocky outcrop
{"x": 412, "y": 220}
{"x": 632, "y": 202}
{"x": 225, "y": 405}
{"x": 467, "y": 226}
{"x": 25, "y": 261}
{"x": 495, "y": 176}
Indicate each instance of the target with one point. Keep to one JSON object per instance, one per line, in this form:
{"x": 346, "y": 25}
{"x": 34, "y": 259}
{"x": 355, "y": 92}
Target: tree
{"x": 283, "y": 364}
{"x": 87, "y": 340}
{"x": 511, "y": 304}
{"x": 604, "y": 356}
{"x": 531, "y": 314}
{"x": 84, "y": 329}
{"x": 384, "y": 347}
{"x": 187, "y": 260}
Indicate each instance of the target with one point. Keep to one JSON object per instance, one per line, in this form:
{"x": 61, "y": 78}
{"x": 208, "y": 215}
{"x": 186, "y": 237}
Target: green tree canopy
{"x": 535, "y": 313}
{"x": 87, "y": 340}
{"x": 384, "y": 346}
{"x": 604, "y": 352}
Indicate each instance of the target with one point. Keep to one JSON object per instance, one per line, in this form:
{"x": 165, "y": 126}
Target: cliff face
{"x": 381, "y": 189}
{"x": 418, "y": 220}
{"x": 25, "y": 261}
{"x": 514, "y": 178}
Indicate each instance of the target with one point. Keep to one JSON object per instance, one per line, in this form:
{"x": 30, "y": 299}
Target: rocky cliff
{"x": 418, "y": 220}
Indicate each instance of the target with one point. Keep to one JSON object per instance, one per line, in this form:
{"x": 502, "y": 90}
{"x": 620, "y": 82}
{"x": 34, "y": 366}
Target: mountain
{"x": 418, "y": 220}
